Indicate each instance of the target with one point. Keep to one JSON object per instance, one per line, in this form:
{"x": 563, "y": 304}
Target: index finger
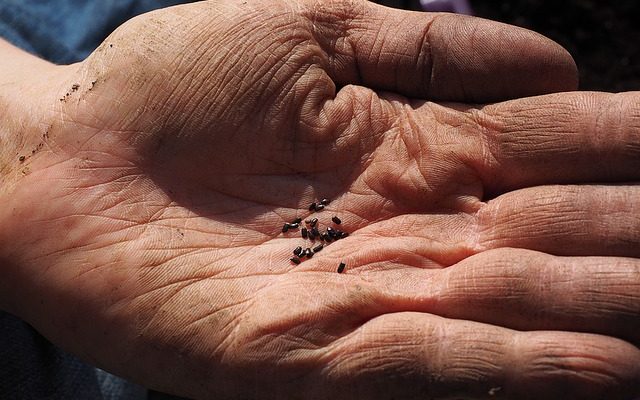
{"x": 560, "y": 138}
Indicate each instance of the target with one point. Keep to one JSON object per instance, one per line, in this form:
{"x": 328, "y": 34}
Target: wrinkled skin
{"x": 488, "y": 255}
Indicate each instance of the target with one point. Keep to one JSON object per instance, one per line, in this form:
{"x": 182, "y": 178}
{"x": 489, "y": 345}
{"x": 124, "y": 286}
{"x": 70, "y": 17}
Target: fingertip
{"x": 556, "y": 69}
{"x": 566, "y": 69}
{"x": 492, "y": 61}
{"x": 576, "y": 366}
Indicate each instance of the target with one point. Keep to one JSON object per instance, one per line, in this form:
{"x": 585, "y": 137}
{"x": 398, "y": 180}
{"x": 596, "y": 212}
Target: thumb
{"x": 438, "y": 56}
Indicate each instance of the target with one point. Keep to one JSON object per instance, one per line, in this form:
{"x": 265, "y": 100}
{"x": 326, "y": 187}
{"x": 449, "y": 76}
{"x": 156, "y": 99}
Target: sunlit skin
{"x": 489, "y": 252}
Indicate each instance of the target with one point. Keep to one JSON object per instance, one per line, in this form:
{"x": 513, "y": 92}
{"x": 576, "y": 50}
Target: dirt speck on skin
{"x": 66, "y": 96}
{"x": 22, "y": 158}
{"x": 75, "y": 87}
{"x": 37, "y": 148}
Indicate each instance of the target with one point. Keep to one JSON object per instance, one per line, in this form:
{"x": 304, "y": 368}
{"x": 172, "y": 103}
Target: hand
{"x": 144, "y": 232}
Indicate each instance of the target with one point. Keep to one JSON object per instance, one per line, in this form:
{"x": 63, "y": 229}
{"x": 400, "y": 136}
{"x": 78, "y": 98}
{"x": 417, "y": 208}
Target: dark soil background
{"x": 602, "y": 36}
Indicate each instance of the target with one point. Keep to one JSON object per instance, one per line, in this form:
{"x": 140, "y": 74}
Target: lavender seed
{"x": 297, "y": 251}
{"x": 341, "y": 267}
{"x": 304, "y": 233}
{"x": 312, "y": 207}
{"x": 318, "y": 248}
{"x": 336, "y": 220}
{"x": 295, "y": 260}
{"x": 325, "y": 202}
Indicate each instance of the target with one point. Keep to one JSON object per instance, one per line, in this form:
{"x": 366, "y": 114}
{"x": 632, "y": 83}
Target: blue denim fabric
{"x": 31, "y": 368}
{"x": 66, "y": 31}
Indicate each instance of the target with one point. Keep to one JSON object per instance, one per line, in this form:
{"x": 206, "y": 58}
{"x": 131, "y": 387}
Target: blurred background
{"x": 602, "y": 36}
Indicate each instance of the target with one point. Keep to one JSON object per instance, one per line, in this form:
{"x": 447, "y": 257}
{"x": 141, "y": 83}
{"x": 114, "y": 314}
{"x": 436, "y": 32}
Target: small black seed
{"x": 318, "y": 248}
{"x": 313, "y": 222}
{"x": 312, "y": 207}
{"x": 327, "y": 238}
{"x": 315, "y": 231}
{"x": 341, "y": 234}
{"x": 308, "y": 252}
{"x": 341, "y": 267}
{"x": 336, "y": 220}
{"x": 285, "y": 228}
{"x": 319, "y": 207}
{"x": 294, "y": 226}
{"x": 307, "y": 221}
{"x": 295, "y": 260}
{"x": 297, "y": 251}
{"x": 325, "y": 202}
{"x": 312, "y": 236}
{"x": 331, "y": 232}
{"x": 297, "y": 221}
{"x": 304, "y": 233}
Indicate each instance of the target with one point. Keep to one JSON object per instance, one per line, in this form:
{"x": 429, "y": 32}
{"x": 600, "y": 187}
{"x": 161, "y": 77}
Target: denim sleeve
{"x": 31, "y": 368}
{"x": 66, "y": 31}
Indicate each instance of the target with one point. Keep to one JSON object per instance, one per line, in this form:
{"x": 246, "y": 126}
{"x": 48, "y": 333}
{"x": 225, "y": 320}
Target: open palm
{"x": 145, "y": 226}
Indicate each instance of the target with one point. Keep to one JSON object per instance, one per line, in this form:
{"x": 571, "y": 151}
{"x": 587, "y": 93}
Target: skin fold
{"x": 494, "y": 227}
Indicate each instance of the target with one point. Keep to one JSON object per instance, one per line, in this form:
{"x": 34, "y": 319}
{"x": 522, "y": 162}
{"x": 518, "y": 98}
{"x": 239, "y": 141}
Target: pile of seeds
{"x": 311, "y": 230}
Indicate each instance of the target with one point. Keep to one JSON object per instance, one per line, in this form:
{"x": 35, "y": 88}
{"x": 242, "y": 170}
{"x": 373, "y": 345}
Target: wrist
{"x": 29, "y": 88}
